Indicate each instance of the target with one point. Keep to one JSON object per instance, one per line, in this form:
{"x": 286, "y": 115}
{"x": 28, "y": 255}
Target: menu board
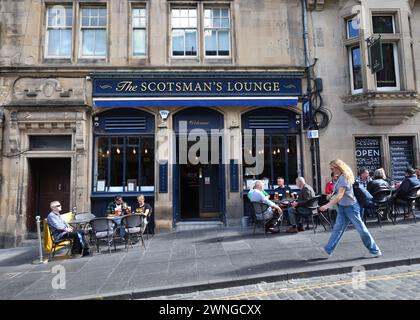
{"x": 368, "y": 153}
{"x": 402, "y": 156}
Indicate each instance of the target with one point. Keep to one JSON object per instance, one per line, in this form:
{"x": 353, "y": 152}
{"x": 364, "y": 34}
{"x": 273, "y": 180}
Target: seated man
{"x": 305, "y": 194}
{"x": 256, "y": 195}
{"x": 62, "y": 230}
{"x": 281, "y": 188}
{"x": 118, "y": 208}
{"x": 364, "y": 178}
{"x": 410, "y": 181}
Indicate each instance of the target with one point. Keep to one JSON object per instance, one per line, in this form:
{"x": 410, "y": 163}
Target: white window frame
{"x": 185, "y": 28}
{"x": 133, "y": 28}
{"x": 81, "y": 28}
{"x": 397, "y": 71}
{"x": 47, "y": 34}
{"x": 384, "y": 15}
{"x": 229, "y": 28}
{"x": 350, "y": 53}
{"x": 347, "y": 27}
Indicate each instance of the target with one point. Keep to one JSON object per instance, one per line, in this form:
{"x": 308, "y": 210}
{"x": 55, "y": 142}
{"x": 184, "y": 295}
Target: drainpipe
{"x": 316, "y": 183}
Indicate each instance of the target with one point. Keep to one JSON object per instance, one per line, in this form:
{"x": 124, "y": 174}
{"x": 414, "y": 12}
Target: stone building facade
{"x": 94, "y": 96}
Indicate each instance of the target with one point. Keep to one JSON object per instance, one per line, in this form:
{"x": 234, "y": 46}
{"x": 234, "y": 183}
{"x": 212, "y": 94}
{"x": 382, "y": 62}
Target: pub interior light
{"x": 118, "y": 150}
{"x": 134, "y": 151}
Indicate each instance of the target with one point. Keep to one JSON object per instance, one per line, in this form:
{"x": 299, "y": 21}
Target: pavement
{"x": 203, "y": 258}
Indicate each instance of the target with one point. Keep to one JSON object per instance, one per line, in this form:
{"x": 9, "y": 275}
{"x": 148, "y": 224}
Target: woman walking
{"x": 348, "y": 210}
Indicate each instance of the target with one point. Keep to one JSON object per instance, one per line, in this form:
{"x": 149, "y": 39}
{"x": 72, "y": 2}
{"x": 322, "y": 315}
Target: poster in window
{"x": 131, "y": 185}
{"x": 402, "y": 156}
{"x": 368, "y": 153}
{"x": 100, "y": 186}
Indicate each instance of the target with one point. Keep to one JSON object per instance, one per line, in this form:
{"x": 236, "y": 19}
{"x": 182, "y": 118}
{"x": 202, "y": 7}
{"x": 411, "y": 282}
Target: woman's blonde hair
{"x": 379, "y": 174}
{"x": 344, "y": 169}
{"x": 140, "y": 197}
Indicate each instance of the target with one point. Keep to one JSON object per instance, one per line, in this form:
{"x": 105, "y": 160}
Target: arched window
{"x": 279, "y": 149}
{"x": 124, "y": 151}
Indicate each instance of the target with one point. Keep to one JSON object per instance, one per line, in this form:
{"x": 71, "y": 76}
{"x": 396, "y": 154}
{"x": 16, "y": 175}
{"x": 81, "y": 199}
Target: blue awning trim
{"x": 196, "y": 102}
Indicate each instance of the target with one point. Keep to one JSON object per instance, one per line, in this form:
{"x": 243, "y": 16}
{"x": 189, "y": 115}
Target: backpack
{"x": 362, "y": 195}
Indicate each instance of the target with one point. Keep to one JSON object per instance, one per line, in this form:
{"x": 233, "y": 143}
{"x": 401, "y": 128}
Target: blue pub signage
{"x": 170, "y": 89}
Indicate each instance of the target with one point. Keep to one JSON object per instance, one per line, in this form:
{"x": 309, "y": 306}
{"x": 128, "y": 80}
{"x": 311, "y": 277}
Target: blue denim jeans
{"x": 345, "y": 215}
{"x": 120, "y": 226}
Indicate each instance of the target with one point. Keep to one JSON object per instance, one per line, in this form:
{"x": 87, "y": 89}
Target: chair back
{"x": 259, "y": 207}
{"x": 310, "y": 206}
{"x": 412, "y": 193}
{"x": 132, "y": 220}
{"x": 381, "y": 195}
{"x": 101, "y": 224}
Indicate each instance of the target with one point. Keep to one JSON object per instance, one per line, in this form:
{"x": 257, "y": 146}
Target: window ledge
{"x": 382, "y": 108}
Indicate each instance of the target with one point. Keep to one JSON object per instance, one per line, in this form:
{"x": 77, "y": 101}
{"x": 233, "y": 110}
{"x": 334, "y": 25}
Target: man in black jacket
{"x": 306, "y": 193}
{"x": 410, "y": 181}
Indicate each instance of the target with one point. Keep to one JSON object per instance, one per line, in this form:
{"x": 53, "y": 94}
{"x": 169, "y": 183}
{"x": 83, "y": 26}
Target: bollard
{"x": 38, "y": 228}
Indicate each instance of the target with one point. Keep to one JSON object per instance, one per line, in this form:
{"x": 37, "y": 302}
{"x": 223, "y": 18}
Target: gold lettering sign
{"x": 199, "y": 86}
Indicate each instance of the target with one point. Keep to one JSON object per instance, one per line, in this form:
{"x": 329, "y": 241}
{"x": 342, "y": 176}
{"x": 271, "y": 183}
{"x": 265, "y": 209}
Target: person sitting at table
{"x": 329, "y": 187}
{"x": 145, "y": 210}
{"x": 62, "y": 230}
{"x": 418, "y": 173}
{"x": 379, "y": 182}
{"x": 256, "y": 195}
{"x": 306, "y": 193}
{"x": 364, "y": 178}
{"x": 282, "y": 188}
{"x": 117, "y": 208}
{"x": 410, "y": 181}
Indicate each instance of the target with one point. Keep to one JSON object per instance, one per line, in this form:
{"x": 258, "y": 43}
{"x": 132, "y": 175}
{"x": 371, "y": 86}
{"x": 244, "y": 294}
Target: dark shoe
{"x": 301, "y": 229}
{"x": 292, "y": 230}
{"x": 274, "y": 230}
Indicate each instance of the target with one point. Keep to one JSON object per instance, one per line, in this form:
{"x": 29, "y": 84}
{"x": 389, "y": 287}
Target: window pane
{"x": 223, "y": 43}
{"x": 353, "y": 28}
{"x": 132, "y": 161}
{"x": 383, "y": 24}
{"x": 178, "y": 42}
{"x": 279, "y": 155}
{"x": 88, "y": 43}
{"x": 207, "y": 23}
{"x": 190, "y": 42}
{"x": 176, "y": 23}
{"x": 100, "y": 42}
{"x": 224, "y": 23}
{"x": 216, "y": 22}
{"x": 357, "y": 68}
{"x": 65, "y": 49}
{"x": 117, "y": 144}
{"x": 225, "y": 13}
{"x": 139, "y": 42}
{"x": 53, "y": 42}
{"x": 102, "y": 155}
{"x": 292, "y": 169}
{"x": 57, "y": 142}
{"x": 207, "y": 13}
{"x": 211, "y": 42}
{"x": 147, "y": 162}
{"x": 387, "y": 77}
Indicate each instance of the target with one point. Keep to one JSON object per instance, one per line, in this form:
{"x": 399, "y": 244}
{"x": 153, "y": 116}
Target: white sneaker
{"x": 375, "y": 255}
{"x": 326, "y": 254}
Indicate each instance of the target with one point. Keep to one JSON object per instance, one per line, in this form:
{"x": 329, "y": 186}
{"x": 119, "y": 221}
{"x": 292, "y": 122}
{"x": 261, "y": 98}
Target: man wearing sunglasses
{"x": 62, "y": 230}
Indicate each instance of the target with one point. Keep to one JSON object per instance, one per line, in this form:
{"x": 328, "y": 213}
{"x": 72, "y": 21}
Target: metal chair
{"x": 133, "y": 224}
{"x": 102, "y": 230}
{"x": 57, "y": 242}
{"x": 406, "y": 202}
{"x": 309, "y": 209}
{"x": 260, "y": 214}
{"x": 381, "y": 203}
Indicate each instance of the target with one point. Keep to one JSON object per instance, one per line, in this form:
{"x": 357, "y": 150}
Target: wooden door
{"x": 49, "y": 180}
